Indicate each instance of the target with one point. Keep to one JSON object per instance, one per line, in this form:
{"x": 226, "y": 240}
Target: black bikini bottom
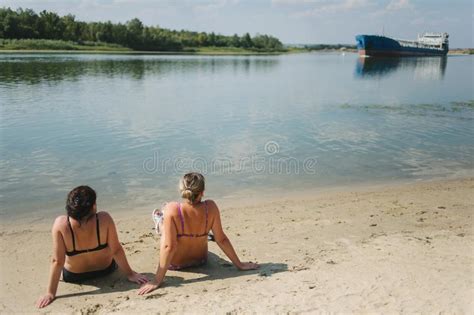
{"x": 73, "y": 277}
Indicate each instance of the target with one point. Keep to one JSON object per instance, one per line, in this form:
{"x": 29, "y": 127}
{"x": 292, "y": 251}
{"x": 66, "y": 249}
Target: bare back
{"x": 87, "y": 235}
{"x": 192, "y": 223}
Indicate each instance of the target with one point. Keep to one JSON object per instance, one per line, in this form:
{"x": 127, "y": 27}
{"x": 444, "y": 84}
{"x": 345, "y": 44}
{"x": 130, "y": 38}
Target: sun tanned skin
{"x": 86, "y": 238}
{"x": 188, "y": 250}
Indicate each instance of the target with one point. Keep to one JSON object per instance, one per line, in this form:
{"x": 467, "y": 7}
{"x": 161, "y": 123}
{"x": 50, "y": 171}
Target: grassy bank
{"x": 46, "y": 45}
{"x": 462, "y": 51}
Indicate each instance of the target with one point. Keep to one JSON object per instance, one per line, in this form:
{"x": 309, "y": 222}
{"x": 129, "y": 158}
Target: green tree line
{"x": 27, "y": 24}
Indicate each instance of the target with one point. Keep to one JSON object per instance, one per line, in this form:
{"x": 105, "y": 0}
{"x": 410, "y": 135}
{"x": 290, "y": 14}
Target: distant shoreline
{"x": 127, "y": 51}
{"x": 61, "y": 46}
{"x": 461, "y": 51}
{"x": 204, "y": 52}
{"x": 132, "y": 52}
{"x": 138, "y": 52}
{"x": 210, "y": 52}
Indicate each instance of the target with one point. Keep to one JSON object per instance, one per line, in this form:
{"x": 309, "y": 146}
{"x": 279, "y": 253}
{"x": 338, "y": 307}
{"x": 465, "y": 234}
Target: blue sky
{"x": 293, "y": 21}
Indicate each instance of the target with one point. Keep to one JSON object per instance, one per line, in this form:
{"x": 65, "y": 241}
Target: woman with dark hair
{"x": 185, "y": 228}
{"x": 85, "y": 245}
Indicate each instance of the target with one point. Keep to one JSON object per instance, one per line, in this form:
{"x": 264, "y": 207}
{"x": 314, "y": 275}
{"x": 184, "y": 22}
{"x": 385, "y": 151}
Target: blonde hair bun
{"x": 191, "y": 186}
{"x": 186, "y": 194}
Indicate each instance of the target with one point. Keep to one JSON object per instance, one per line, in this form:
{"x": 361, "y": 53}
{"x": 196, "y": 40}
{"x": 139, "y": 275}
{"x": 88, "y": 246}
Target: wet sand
{"x": 394, "y": 249}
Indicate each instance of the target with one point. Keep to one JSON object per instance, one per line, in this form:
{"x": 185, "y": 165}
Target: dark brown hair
{"x": 80, "y": 202}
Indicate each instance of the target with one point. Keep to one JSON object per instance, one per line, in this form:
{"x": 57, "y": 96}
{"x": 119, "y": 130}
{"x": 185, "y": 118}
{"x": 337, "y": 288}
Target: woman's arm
{"x": 224, "y": 243}
{"x": 169, "y": 243}
{"x": 119, "y": 254}
{"x": 57, "y": 263}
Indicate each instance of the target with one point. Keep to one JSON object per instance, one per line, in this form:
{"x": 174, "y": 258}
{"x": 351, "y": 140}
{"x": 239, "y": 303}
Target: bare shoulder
{"x": 60, "y": 223}
{"x": 105, "y": 217}
{"x": 211, "y": 206}
{"x": 171, "y": 209}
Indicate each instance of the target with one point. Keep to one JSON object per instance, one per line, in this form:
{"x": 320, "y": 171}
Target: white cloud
{"x": 395, "y": 5}
{"x": 392, "y": 7}
{"x": 213, "y": 5}
{"x": 294, "y": 2}
{"x": 334, "y": 7}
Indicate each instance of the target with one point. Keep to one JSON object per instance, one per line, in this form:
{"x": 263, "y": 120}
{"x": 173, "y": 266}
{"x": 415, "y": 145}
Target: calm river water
{"x": 130, "y": 125}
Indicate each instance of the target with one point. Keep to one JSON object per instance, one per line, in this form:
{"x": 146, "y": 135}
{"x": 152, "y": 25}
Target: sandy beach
{"x": 399, "y": 249}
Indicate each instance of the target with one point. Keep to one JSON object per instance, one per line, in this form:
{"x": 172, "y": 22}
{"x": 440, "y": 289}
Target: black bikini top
{"x": 77, "y": 252}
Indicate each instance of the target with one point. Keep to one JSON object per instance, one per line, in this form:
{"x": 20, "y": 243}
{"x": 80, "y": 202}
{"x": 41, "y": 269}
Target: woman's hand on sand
{"x": 148, "y": 287}
{"x": 137, "y": 278}
{"x": 248, "y": 266}
{"x": 45, "y": 300}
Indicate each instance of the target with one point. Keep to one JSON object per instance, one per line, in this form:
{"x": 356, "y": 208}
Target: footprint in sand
{"x": 308, "y": 260}
{"x": 154, "y": 296}
{"x": 92, "y": 309}
{"x": 146, "y": 235}
{"x": 299, "y": 268}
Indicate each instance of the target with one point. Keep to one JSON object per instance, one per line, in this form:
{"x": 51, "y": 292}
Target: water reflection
{"x": 424, "y": 68}
{"x": 67, "y": 120}
{"x": 31, "y": 69}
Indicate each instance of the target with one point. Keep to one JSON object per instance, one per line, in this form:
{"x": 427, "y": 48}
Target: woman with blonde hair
{"x": 184, "y": 232}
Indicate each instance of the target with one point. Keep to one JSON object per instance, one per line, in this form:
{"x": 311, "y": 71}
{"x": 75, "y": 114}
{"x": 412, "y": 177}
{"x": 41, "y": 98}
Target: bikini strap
{"x": 72, "y": 233}
{"x": 97, "y": 227}
{"x": 181, "y": 218}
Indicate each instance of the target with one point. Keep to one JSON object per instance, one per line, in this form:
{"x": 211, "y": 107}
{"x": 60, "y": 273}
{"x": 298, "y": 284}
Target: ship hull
{"x": 372, "y": 45}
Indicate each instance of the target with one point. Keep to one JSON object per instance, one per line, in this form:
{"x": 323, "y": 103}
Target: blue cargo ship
{"x": 427, "y": 44}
